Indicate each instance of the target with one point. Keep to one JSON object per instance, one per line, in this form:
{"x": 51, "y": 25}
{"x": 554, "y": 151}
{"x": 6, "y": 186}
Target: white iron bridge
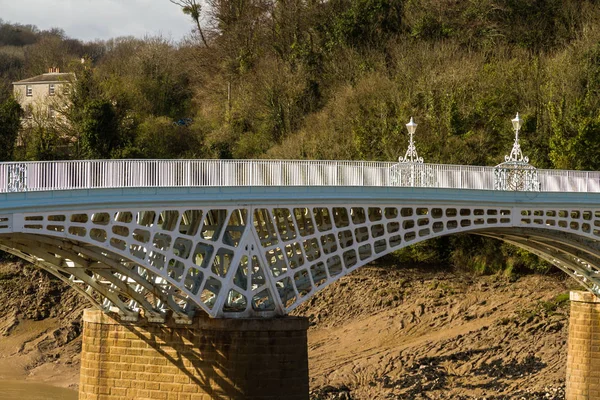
{"x": 240, "y": 238}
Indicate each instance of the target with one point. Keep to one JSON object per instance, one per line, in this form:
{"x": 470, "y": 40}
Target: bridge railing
{"x": 91, "y": 174}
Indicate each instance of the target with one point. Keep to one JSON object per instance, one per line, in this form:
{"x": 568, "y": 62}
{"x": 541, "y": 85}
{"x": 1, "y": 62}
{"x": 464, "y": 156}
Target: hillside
{"x": 380, "y": 333}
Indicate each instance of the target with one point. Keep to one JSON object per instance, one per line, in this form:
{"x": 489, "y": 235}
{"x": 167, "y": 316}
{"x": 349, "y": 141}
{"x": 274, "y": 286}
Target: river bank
{"x": 380, "y": 333}
{"x": 39, "y": 328}
{"x": 19, "y": 390}
{"x": 25, "y": 356}
{"x": 385, "y": 333}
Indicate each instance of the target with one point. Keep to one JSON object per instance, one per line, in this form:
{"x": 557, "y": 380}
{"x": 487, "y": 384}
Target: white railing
{"x": 92, "y": 174}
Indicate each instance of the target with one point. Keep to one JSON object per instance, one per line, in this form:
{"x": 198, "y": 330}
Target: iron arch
{"x": 239, "y": 260}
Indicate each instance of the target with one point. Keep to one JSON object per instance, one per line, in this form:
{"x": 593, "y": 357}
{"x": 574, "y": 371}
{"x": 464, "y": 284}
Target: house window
{"x": 51, "y": 89}
{"x": 29, "y": 90}
{"x": 51, "y": 112}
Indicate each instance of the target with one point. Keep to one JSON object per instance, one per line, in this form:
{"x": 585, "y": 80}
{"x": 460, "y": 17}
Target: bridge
{"x": 239, "y": 239}
{"x": 258, "y": 238}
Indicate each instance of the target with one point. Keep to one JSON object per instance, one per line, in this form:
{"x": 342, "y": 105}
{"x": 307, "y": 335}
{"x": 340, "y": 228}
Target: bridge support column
{"x": 583, "y": 360}
{"x": 210, "y": 359}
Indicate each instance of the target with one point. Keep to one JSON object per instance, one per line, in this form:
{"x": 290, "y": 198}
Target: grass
{"x": 557, "y": 302}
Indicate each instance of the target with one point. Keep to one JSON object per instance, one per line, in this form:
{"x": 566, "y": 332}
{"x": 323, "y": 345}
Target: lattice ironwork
{"x": 412, "y": 175}
{"x": 243, "y": 261}
{"x": 516, "y": 176}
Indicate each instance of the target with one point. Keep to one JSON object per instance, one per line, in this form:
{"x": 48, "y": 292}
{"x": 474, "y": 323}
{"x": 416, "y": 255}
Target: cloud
{"x": 100, "y": 19}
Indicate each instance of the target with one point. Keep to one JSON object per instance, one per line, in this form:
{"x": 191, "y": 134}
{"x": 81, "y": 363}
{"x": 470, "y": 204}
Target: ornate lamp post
{"x": 410, "y": 170}
{"x": 411, "y": 155}
{"x": 516, "y": 154}
{"x": 515, "y": 173}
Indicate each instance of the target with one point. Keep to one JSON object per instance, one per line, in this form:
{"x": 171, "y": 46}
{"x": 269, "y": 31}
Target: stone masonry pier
{"x": 583, "y": 360}
{"x": 210, "y": 359}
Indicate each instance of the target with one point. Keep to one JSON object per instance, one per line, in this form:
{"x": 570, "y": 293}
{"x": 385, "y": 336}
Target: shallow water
{"x": 14, "y": 390}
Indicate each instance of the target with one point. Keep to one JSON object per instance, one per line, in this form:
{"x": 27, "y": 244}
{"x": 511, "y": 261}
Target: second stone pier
{"x": 583, "y": 360}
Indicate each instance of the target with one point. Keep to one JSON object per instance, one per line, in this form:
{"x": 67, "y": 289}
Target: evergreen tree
{"x": 99, "y": 129}
{"x": 10, "y": 123}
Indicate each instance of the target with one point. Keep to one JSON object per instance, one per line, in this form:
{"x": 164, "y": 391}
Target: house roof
{"x": 53, "y": 77}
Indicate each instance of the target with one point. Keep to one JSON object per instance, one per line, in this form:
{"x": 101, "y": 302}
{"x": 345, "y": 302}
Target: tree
{"x": 159, "y": 79}
{"x": 363, "y": 23}
{"x": 41, "y": 143}
{"x": 10, "y": 122}
{"x": 193, "y": 9}
{"x": 99, "y": 129}
{"x": 159, "y": 137}
{"x": 17, "y": 34}
{"x": 49, "y": 51}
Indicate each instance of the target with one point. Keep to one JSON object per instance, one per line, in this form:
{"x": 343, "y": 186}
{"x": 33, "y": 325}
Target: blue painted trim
{"x": 289, "y": 195}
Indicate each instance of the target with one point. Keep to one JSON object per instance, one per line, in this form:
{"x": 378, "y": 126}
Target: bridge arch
{"x": 241, "y": 255}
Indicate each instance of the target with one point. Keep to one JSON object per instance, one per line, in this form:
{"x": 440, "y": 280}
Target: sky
{"x": 100, "y": 19}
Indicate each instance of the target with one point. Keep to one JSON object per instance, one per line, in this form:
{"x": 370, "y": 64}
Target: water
{"x": 13, "y": 390}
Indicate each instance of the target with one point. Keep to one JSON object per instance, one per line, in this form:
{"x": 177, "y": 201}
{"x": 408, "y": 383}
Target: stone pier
{"x": 210, "y": 359}
{"x": 583, "y": 360}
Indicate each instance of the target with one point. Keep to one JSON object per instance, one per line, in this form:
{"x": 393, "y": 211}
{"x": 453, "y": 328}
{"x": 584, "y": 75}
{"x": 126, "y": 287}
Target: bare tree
{"x": 193, "y": 9}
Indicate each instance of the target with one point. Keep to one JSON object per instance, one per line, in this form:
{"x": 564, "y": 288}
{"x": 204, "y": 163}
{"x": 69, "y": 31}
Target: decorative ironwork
{"x": 410, "y": 170}
{"x": 411, "y": 155}
{"x": 516, "y": 176}
{"x": 515, "y": 173}
{"x": 412, "y": 175}
{"x": 17, "y": 178}
{"x": 516, "y": 155}
{"x": 240, "y": 261}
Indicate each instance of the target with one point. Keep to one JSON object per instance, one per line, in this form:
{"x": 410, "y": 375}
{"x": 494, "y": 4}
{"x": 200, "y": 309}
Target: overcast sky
{"x": 100, "y": 19}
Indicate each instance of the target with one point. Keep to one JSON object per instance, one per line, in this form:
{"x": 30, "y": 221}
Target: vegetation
{"x": 279, "y": 79}
{"x": 10, "y": 122}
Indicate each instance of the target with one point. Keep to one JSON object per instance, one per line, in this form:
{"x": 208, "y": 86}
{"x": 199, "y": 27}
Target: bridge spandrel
{"x": 248, "y": 260}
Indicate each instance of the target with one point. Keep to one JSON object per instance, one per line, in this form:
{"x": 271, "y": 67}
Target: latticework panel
{"x": 307, "y": 248}
{"x": 152, "y": 259}
{"x": 242, "y": 261}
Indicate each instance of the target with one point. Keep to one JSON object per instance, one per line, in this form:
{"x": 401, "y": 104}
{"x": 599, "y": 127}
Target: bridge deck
{"x": 263, "y": 195}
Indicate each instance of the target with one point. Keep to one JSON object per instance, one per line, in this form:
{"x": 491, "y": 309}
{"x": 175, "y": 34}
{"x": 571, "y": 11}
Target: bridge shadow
{"x": 205, "y": 361}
